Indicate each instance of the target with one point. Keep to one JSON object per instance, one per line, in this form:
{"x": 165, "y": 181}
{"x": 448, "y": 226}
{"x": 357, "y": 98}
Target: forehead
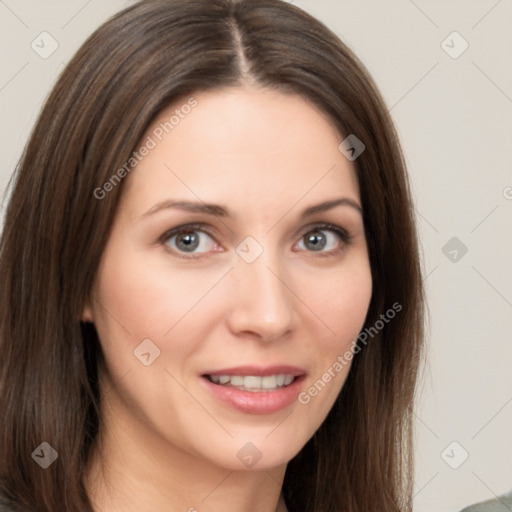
{"x": 244, "y": 146}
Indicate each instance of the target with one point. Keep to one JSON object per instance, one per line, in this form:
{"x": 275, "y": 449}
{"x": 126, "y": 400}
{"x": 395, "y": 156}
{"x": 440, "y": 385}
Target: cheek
{"x": 133, "y": 297}
{"x": 144, "y": 297}
{"x": 341, "y": 304}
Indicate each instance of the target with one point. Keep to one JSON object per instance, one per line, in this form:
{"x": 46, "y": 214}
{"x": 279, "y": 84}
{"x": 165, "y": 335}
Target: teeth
{"x": 252, "y": 382}
{"x": 269, "y": 382}
{"x": 236, "y": 380}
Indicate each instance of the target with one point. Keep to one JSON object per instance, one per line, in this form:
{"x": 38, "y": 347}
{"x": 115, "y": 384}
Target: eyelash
{"x": 344, "y": 236}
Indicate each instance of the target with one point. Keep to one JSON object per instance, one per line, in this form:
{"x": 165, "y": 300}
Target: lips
{"x": 255, "y": 389}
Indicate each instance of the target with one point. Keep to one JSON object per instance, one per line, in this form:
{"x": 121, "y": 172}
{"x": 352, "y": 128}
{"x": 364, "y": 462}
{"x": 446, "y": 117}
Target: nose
{"x": 262, "y": 304}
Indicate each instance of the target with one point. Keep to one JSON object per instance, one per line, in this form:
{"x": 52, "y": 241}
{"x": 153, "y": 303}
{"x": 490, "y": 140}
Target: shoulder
{"x": 501, "y": 504}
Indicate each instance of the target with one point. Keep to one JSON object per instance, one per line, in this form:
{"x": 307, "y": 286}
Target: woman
{"x": 211, "y": 285}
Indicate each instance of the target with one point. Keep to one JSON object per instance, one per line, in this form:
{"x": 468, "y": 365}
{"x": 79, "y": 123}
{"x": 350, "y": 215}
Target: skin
{"x": 167, "y": 442}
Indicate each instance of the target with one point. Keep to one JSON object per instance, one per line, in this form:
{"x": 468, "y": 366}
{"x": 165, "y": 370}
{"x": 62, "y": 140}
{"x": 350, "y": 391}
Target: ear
{"x": 87, "y": 315}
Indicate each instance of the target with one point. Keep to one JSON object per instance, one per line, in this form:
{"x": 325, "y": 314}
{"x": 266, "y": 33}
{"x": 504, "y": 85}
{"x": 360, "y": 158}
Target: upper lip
{"x": 259, "y": 371}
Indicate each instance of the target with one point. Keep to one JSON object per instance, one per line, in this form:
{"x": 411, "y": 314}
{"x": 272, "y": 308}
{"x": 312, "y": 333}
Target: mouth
{"x": 256, "y": 390}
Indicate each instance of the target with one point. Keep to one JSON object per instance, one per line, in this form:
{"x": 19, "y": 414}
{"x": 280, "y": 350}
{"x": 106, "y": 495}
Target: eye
{"x": 324, "y": 238}
{"x": 195, "y": 241}
{"x": 190, "y": 239}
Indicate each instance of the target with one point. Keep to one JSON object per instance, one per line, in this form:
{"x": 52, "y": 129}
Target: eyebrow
{"x": 221, "y": 211}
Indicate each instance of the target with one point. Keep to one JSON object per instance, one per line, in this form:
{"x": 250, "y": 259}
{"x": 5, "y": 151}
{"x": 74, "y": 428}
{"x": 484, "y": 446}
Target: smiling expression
{"x": 238, "y": 254}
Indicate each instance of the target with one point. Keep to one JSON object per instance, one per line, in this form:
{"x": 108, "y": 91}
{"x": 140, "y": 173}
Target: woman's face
{"x": 206, "y": 313}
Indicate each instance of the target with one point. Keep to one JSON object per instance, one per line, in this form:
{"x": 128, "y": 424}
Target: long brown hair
{"x": 144, "y": 58}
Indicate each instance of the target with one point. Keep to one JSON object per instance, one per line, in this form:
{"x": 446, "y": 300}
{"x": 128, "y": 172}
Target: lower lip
{"x": 256, "y": 402}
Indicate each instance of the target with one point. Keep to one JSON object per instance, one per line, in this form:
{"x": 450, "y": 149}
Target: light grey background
{"x": 454, "y": 117}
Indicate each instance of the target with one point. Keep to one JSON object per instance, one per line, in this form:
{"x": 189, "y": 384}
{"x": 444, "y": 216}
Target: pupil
{"x": 188, "y": 241}
{"x": 316, "y": 241}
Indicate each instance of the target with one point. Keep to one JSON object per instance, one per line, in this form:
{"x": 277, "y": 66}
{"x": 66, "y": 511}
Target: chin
{"x": 254, "y": 451}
